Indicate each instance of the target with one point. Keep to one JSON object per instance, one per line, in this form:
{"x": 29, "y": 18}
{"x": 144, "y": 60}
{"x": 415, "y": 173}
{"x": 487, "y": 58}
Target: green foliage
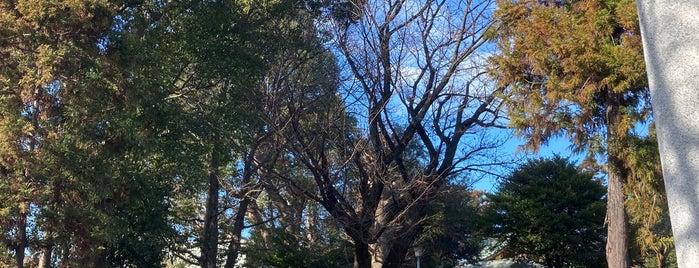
{"x": 576, "y": 69}
{"x": 91, "y": 137}
{"x": 51, "y": 155}
{"x": 111, "y": 111}
{"x": 567, "y": 65}
{"x": 454, "y": 231}
{"x": 553, "y": 213}
{"x": 647, "y": 204}
{"x": 290, "y": 250}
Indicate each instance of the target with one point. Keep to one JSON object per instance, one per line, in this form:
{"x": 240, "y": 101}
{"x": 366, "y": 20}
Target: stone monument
{"x": 670, "y": 32}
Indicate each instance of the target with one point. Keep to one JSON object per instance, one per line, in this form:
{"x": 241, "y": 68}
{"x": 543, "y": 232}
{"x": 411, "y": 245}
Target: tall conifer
{"x": 575, "y": 68}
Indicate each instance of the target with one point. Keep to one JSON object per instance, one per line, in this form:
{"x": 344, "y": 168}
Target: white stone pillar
{"x": 670, "y": 31}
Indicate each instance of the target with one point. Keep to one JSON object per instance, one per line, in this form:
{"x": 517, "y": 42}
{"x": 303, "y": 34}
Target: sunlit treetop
{"x": 567, "y": 63}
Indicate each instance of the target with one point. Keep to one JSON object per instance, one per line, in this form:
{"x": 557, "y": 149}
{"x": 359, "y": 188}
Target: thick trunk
{"x": 289, "y": 214}
{"x": 247, "y": 201}
{"x": 617, "y": 230}
{"x": 377, "y": 251}
{"x": 362, "y": 257}
{"x": 209, "y": 241}
{"x": 617, "y": 251}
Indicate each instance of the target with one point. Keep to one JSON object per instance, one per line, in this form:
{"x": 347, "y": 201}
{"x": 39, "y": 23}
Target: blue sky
{"x": 557, "y": 145}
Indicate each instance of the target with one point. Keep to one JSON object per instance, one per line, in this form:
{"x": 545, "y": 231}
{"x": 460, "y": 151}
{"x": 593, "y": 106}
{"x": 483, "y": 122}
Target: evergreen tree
{"x": 455, "y": 228}
{"x": 576, "y": 68}
{"x": 551, "y": 212}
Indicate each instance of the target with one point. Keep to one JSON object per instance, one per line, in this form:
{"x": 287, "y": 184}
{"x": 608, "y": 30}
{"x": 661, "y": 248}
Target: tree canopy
{"x": 551, "y": 212}
{"x": 310, "y": 133}
{"x": 575, "y": 68}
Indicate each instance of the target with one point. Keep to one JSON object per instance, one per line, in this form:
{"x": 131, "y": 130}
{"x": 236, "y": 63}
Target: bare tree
{"x": 413, "y": 114}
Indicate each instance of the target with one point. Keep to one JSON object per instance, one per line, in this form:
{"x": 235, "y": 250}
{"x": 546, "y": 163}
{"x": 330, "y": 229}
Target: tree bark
{"x": 45, "y": 257}
{"x": 234, "y": 245}
{"x": 239, "y": 223}
{"x": 617, "y": 251}
{"x": 362, "y": 257}
{"x": 209, "y": 241}
{"x": 617, "y": 229}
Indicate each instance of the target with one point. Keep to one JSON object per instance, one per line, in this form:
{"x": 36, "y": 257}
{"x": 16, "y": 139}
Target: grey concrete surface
{"x": 670, "y": 31}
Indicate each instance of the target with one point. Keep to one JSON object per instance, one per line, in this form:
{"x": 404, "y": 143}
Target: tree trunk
{"x": 21, "y": 240}
{"x": 234, "y": 245}
{"x": 362, "y": 257}
{"x": 311, "y": 223}
{"x": 396, "y": 256}
{"x": 45, "y": 257}
{"x": 617, "y": 251}
{"x": 255, "y": 216}
{"x": 400, "y": 247}
{"x": 209, "y": 241}
{"x": 617, "y": 230}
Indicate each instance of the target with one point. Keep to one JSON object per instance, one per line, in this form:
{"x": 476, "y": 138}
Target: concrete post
{"x": 670, "y": 31}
